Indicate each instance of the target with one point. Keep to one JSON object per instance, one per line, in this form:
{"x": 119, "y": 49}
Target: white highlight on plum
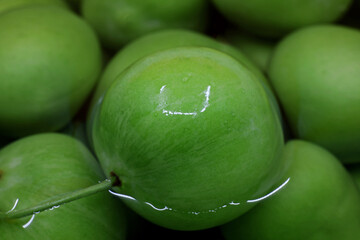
{"x": 158, "y": 209}
{"x": 122, "y": 195}
{"x": 54, "y": 207}
{"x": 271, "y": 193}
{"x": 234, "y": 203}
{"x": 162, "y": 88}
{"x": 15, "y": 204}
{"x": 29, "y": 222}
{"x": 168, "y": 112}
{"x": 207, "y": 97}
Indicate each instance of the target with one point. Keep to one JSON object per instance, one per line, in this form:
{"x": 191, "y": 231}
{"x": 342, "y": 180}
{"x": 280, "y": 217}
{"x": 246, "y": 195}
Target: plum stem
{"x": 60, "y": 199}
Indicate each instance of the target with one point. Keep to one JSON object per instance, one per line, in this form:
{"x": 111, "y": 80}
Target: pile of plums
{"x": 196, "y": 119}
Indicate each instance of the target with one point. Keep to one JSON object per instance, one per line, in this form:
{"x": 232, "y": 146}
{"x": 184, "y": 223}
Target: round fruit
{"x": 318, "y": 200}
{"x": 162, "y": 40}
{"x": 275, "y": 18}
{"x": 49, "y": 62}
{"x": 120, "y": 21}
{"x": 38, "y": 167}
{"x": 315, "y": 73}
{"x": 191, "y": 135}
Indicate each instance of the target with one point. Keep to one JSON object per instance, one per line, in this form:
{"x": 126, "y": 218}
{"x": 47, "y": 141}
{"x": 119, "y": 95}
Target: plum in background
{"x": 276, "y": 18}
{"x": 315, "y": 72}
{"x": 6, "y": 5}
{"x": 318, "y": 200}
{"x": 118, "y": 22}
{"x": 38, "y": 167}
{"x": 49, "y": 62}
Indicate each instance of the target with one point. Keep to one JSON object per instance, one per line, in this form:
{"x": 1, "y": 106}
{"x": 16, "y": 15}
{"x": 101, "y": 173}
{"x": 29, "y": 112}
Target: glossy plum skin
{"x": 318, "y": 201}
{"x": 38, "y": 167}
{"x": 158, "y": 41}
{"x": 315, "y": 74}
{"x": 192, "y": 135}
{"x": 49, "y": 62}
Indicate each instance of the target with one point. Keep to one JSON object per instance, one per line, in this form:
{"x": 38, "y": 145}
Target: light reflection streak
{"x": 15, "y": 204}
{"x": 29, "y": 222}
{"x": 205, "y": 104}
{"x": 121, "y": 195}
{"x": 271, "y": 193}
{"x": 158, "y": 209}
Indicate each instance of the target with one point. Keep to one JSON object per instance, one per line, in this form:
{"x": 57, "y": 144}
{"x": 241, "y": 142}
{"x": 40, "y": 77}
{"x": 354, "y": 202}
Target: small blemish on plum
{"x": 117, "y": 182}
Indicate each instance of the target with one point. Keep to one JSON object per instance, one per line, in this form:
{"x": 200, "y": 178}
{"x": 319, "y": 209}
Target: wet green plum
{"x": 49, "y": 62}
{"x": 192, "y": 135}
{"x": 315, "y": 74}
{"x": 318, "y": 200}
{"x": 6, "y": 5}
{"x": 162, "y": 40}
{"x": 118, "y": 22}
{"x": 38, "y": 167}
{"x": 276, "y": 18}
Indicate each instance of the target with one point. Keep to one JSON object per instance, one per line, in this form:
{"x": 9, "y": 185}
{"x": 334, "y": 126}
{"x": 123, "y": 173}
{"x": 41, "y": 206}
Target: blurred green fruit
{"x": 7, "y": 5}
{"x": 275, "y": 18}
{"x": 49, "y": 62}
{"x": 38, "y": 167}
{"x": 318, "y": 200}
{"x": 118, "y": 22}
{"x": 316, "y": 74}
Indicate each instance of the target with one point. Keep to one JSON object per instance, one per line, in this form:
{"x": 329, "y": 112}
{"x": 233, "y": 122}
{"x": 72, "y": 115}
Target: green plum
{"x": 258, "y": 50}
{"x": 161, "y": 40}
{"x": 275, "y": 18}
{"x": 49, "y": 62}
{"x": 118, "y": 22}
{"x": 192, "y": 135}
{"x": 318, "y": 200}
{"x": 315, "y": 74}
{"x": 37, "y": 167}
{"x": 6, "y": 5}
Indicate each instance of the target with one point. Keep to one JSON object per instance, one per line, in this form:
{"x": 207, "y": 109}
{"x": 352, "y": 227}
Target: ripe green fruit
{"x": 120, "y": 21}
{"x": 318, "y": 200}
{"x": 192, "y": 135}
{"x": 49, "y": 62}
{"x": 315, "y": 73}
{"x": 37, "y": 167}
{"x": 162, "y": 40}
{"x": 275, "y": 18}
{"x": 6, "y": 5}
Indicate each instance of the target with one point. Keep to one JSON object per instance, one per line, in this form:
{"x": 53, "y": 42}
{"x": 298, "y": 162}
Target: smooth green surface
{"x": 7, "y": 5}
{"x": 49, "y": 62}
{"x": 192, "y": 135}
{"x": 315, "y": 73}
{"x": 320, "y": 201}
{"x": 275, "y": 18}
{"x": 118, "y": 22}
{"x": 38, "y": 167}
{"x": 162, "y": 40}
